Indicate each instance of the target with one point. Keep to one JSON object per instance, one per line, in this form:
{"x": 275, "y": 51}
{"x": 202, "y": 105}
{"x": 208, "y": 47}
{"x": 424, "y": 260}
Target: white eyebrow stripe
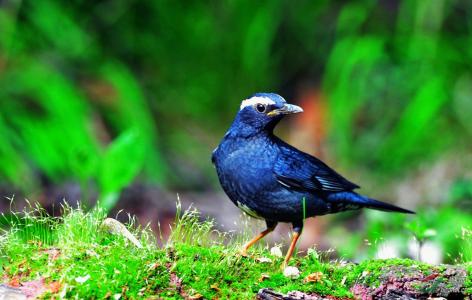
{"x": 257, "y": 100}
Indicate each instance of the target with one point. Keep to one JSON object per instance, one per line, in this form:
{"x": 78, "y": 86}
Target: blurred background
{"x": 123, "y": 102}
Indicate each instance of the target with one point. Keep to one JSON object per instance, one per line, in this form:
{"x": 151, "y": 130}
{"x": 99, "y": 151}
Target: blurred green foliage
{"x": 448, "y": 227}
{"x": 399, "y": 81}
{"x": 76, "y": 75}
{"x": 101, "y": 92}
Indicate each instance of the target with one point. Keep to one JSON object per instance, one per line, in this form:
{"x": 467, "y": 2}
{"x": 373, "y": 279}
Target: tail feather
{"x": 354, "y": 199}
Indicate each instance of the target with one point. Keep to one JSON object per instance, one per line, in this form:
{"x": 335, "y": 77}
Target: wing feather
{"x": 300, "y": 171}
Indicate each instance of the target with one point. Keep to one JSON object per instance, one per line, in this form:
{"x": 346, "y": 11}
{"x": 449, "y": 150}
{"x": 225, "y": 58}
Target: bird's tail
{"x": 354, "y": 199}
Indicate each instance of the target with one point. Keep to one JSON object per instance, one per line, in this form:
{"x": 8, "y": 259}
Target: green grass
{"x": 196, "y": 260}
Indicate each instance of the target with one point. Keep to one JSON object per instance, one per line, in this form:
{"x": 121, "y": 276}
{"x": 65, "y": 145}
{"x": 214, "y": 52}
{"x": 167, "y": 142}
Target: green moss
{"x": 93, "y": 263}
{"x": 468, "y": 280}
{"x": 82, "y": 250}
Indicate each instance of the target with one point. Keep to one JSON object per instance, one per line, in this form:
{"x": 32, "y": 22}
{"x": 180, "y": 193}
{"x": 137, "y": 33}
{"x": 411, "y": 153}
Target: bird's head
{"x": 262, "y": 111}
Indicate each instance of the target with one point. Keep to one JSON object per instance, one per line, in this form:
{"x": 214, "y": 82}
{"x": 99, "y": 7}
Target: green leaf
{"x": 131, "y": 110}
{"x": 417, "y": 120}
{"x": 122, "y": 162}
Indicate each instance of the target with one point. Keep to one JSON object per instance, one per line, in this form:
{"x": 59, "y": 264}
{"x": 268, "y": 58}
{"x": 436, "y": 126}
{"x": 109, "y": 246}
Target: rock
{"x": 276, "y": 251}
{"x": 405, "y": 283}
{"x": 115, "y": 227}
{"x": 9, "y": 293}
{"x": 396, "y": 282}
{"x": 291, "y": 272}
{"x": 264, "y": 260}
{"x": 269, "y": 294}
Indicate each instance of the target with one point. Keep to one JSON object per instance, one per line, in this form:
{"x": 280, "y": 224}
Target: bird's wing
{"x": 300, "y": 171}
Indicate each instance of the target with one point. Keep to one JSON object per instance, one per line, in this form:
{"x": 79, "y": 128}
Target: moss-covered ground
{"x": 75, "y": 257}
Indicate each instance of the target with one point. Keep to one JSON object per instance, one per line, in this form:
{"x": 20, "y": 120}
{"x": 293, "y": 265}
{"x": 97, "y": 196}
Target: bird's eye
{"x": 261, "y": 108}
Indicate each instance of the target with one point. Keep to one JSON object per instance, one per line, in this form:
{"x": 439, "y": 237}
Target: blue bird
{"x": 271, "y": 180}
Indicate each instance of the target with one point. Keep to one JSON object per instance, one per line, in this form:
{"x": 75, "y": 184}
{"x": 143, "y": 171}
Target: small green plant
{"x": 78, "y": 253}
{"x": 189, "y": 229}
{"x": 32, "y": 224}
{"x": 466, "y": 247}
{"x": 420, "y": 232}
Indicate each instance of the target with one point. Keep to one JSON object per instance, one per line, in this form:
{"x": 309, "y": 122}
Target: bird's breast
{"x": 245, "y": 168}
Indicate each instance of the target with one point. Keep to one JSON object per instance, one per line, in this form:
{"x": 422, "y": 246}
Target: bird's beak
{"x": 287, "y": 109}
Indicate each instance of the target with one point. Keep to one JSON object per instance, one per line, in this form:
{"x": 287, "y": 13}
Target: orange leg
{"x": 270, "y": 228}
{"x": 295, "y": 237}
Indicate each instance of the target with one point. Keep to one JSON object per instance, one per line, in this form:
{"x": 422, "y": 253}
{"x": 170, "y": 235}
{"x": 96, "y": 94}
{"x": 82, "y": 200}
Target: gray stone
{"x": 10, "y": 293}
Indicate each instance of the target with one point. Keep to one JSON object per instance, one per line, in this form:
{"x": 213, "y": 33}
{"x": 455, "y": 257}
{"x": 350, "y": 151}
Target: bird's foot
{"x": 243, "y": 252}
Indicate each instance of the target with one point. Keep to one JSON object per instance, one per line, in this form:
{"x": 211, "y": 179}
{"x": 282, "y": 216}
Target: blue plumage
{"x": 269, "y": 179}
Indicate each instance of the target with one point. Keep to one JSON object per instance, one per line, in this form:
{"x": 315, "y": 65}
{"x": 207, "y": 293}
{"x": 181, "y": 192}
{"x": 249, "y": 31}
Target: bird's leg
{"x": 297, "y": 228}
{"x": 270, "y": 227}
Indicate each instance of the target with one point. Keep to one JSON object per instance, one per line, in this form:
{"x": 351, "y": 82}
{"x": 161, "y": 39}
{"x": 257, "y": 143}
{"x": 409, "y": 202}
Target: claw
{"x": 243, "y": 253}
